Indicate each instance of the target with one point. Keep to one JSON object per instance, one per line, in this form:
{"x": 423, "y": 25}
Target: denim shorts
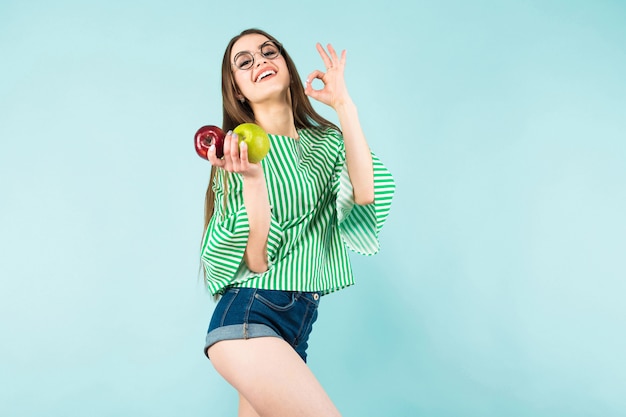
{"x": 244, "y": 313}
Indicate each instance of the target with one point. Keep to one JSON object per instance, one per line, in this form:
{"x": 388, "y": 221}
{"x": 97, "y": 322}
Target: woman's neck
{"x": 276, "y": 118}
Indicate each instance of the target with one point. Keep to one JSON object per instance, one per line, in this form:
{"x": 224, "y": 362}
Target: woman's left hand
{"x": 334, "y": 93}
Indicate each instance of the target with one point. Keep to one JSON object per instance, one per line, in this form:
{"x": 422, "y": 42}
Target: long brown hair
{"x": 236, "y": 112}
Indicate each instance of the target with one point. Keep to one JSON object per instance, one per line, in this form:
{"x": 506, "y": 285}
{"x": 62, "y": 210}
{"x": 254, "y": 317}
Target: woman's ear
{"x": 238, "y": 95}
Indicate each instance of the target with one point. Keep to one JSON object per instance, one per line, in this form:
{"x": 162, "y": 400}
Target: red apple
{"x": 207, "y": 136}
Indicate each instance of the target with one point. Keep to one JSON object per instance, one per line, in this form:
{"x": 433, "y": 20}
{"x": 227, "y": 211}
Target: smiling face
{"x": 267, "y": 78}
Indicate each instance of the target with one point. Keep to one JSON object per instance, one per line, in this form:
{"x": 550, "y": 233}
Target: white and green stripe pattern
{"x": 314, "y": 219}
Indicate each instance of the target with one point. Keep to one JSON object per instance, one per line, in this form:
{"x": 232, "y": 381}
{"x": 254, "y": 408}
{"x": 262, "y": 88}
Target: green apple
{"x": 257, "y": 140}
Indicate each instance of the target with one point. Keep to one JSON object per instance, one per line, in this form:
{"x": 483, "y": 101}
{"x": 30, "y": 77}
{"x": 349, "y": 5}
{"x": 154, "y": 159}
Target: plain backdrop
{"x": 499, "y": 286}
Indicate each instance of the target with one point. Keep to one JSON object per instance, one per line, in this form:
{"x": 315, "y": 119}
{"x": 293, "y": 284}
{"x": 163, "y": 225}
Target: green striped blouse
{"x": 313, "y": 218}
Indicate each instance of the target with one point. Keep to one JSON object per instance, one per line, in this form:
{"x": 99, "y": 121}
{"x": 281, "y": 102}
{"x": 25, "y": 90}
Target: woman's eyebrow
{"x": 258, "y": 47}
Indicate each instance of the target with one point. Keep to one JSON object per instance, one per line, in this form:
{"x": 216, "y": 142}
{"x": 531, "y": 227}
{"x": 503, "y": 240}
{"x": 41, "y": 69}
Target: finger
{"x": 228, "y": 154}
{"x": 333, "y": 54}
{"x": 327, "y": 61}
{"x": 317, "y": 74}
{"x": 213, "y": 159}
{"x": 243, "y": 153}
{"x": 226, "y": 146}
{"x": 234, "y": 151}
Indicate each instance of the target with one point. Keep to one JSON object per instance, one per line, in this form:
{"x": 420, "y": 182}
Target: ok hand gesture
{"x": 334, "y": 92}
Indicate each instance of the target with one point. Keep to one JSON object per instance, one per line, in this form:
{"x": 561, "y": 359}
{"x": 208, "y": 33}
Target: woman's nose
{"x": 260, "y": 60}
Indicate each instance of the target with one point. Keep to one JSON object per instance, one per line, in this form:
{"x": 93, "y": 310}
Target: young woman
{"x": 277, "y": 231}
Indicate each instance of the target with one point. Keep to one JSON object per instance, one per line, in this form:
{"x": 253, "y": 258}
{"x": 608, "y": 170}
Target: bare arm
{"x": 358, "y": 155}
{"x": 335, "y": 94}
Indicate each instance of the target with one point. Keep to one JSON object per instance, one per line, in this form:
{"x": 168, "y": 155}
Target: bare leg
{"x": 271, "y": 376}
{"x": 245, "y": 409}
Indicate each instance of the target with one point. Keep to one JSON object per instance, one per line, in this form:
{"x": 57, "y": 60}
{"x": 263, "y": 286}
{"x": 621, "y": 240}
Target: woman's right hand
{"x": 235, "y": 158}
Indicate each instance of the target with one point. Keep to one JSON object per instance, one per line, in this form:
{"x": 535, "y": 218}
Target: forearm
{"x": 256, "y": 200}
{"x": 358, "y": 154}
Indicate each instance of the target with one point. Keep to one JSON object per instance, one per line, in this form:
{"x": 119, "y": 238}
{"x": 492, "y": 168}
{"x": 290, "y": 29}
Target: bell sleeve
{"x": 360, "y": 225}
{"x": 226, "y": 237}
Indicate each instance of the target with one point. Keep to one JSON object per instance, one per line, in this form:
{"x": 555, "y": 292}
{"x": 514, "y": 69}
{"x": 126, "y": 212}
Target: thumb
{"x": 310, "y": 91}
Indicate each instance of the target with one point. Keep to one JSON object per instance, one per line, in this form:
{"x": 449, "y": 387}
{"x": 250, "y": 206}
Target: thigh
{"x": 272, "y": 378}
{"x": 245, "y": 408}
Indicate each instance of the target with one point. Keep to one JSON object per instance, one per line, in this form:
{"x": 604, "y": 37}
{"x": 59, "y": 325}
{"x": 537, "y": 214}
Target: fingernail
{"x": 212, "y": 147}
{"x": 235, "y": 136}
{"x": 229, "y": 132}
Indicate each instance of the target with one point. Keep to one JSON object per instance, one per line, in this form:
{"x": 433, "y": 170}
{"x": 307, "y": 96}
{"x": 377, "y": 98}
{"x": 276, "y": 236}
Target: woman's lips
{"x": 264, "y": 74}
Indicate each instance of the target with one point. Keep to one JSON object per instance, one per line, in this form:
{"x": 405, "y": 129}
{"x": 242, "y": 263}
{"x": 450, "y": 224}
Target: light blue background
{"x": 499, "y": 287}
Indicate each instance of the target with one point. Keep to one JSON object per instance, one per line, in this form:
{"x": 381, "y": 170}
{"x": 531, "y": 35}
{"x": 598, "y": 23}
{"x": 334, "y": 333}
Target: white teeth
{"x": 264, "y": 74}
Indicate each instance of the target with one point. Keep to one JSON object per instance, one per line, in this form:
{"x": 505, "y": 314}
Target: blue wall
{"x": 498, "y": 288}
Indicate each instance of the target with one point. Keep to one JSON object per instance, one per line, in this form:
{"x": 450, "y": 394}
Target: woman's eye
{"x": 269, "y": 51}
{"x": 243, "y": 62}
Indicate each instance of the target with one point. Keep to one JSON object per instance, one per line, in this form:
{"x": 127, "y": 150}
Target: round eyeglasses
{"x": 244, "y": 60}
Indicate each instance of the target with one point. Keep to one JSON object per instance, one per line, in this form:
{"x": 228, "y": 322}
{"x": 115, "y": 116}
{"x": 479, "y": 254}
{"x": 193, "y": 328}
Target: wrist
{"x": 345, "y": 106}
{"x": 254, "y": 179}
{"x": 254, "y": 174}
